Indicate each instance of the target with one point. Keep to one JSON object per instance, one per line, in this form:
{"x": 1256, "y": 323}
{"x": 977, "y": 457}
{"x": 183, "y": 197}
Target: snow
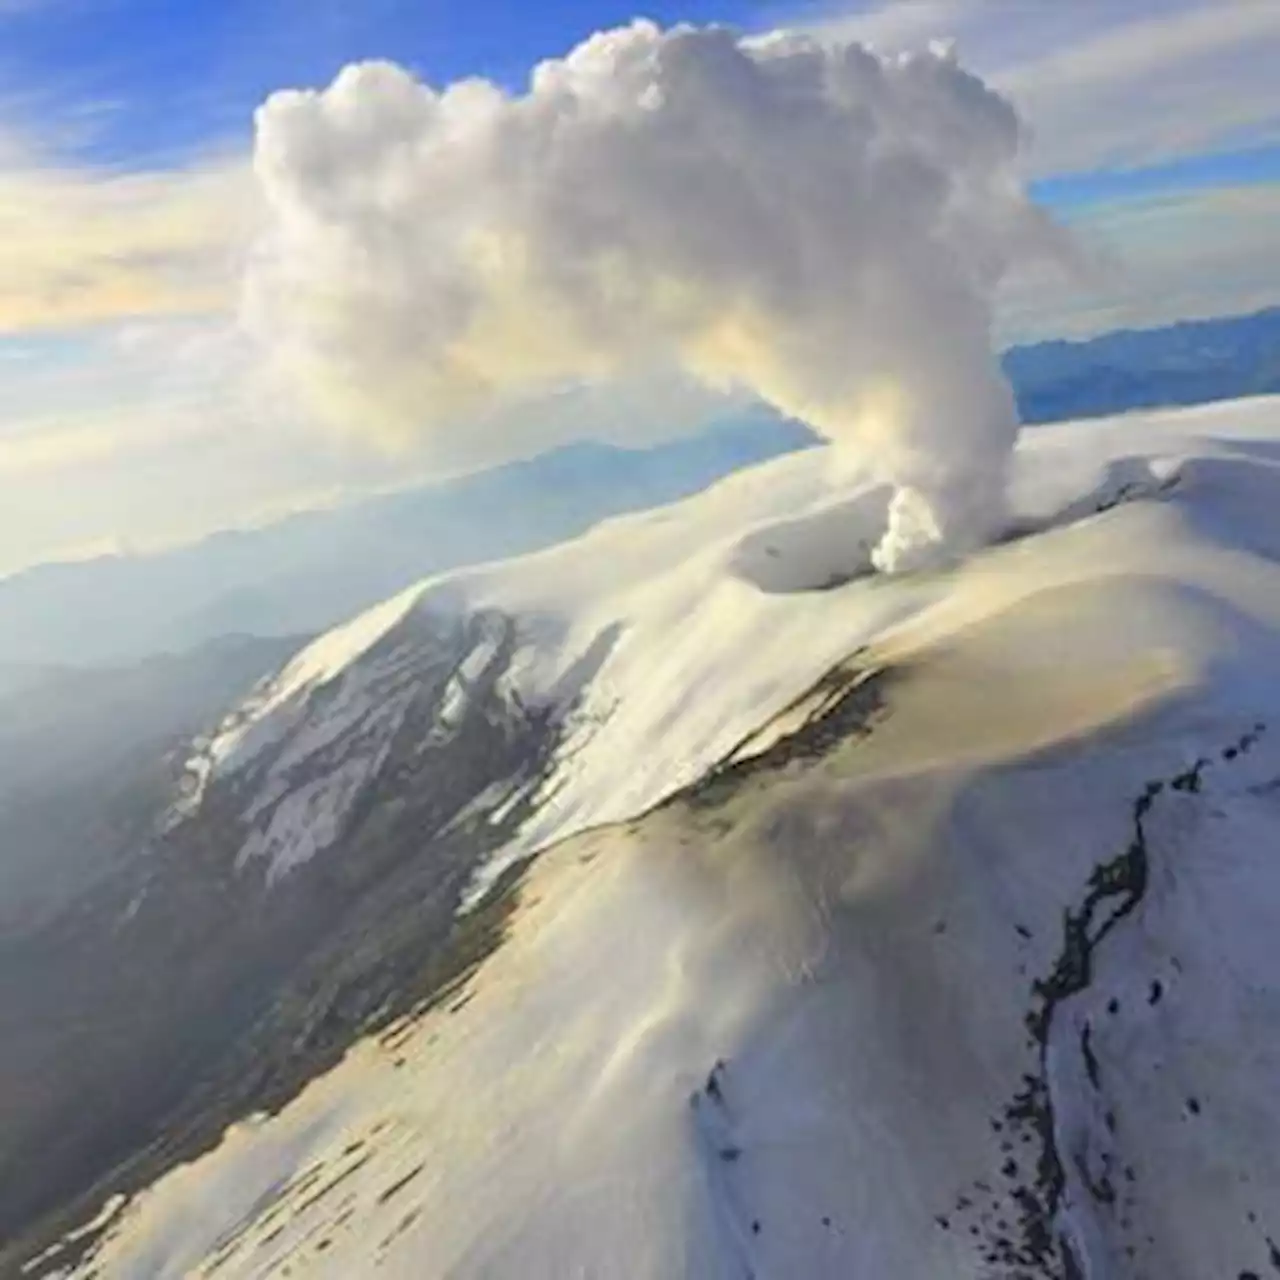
{"x": 282, "y": 706}
{"x": 313, "y": 738}
{"x": 859, "y": 940}
{"x": 706, "y": 623}
{"x": 308, "y": 818}
{"x": 696, "y": 604}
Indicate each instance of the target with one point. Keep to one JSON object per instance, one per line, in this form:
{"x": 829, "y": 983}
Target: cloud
{"x": 1173, "y": 256}
{"x": 148, "y": 433}
{"x": 117, "y": 394}
{"x": 895, "y": 27}
{"x": 1151, "y": 89}
{"x": 44, "y": 446}
{"x": 1108, "y": 84}
{"x": 809, "y": 222}
{"x": 79, "y": 246}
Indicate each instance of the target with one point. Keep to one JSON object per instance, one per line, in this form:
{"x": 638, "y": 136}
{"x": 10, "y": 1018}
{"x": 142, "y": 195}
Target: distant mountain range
{"x": 305, "y": 573}
{"x": 1192, "y": 362}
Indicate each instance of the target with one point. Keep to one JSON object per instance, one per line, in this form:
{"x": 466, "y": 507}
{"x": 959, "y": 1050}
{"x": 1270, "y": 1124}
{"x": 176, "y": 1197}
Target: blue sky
{"x": 1208, "y": 171}
{"x": 156, "y": 83}
{"x": 161, "y": 80}
{"x": 126, "y": 202}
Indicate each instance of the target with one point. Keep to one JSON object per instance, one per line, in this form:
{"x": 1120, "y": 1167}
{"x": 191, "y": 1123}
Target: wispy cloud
{"x": 51, "y": 444}
{"x": 1152, "y": 89}
{"x": 1106, "y": 84}
{"x": 85, "y": 242}
{"x": 143, "y": 433}
{"x": 1165, "y": 257}
{"x": 83, "y": 246}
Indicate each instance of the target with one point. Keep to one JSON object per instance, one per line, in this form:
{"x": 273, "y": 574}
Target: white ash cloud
{"x": 803, "y": 220}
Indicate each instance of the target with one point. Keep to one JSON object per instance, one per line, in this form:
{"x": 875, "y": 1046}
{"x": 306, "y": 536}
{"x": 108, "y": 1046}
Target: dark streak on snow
{"x": 400, "y": 1184}
{"x": 1043, "y": 1247}
{"x": 844, "y": 703}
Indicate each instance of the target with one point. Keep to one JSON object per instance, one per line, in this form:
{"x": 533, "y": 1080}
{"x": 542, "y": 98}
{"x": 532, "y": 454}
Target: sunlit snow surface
{"x": 827, "y": 1019}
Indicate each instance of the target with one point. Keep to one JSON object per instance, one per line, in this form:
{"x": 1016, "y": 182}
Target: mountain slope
{"x": 886, "y": 927}
{"x": 80, "y": 749}
{"x": 827, "y": 1024}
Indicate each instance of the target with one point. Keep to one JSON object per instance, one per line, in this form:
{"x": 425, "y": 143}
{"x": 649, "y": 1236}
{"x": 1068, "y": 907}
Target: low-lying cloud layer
{"x": 805, "y": 220}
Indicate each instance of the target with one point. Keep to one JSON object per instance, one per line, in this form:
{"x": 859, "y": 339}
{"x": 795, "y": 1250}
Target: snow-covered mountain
{"x": 896, "y": 928}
